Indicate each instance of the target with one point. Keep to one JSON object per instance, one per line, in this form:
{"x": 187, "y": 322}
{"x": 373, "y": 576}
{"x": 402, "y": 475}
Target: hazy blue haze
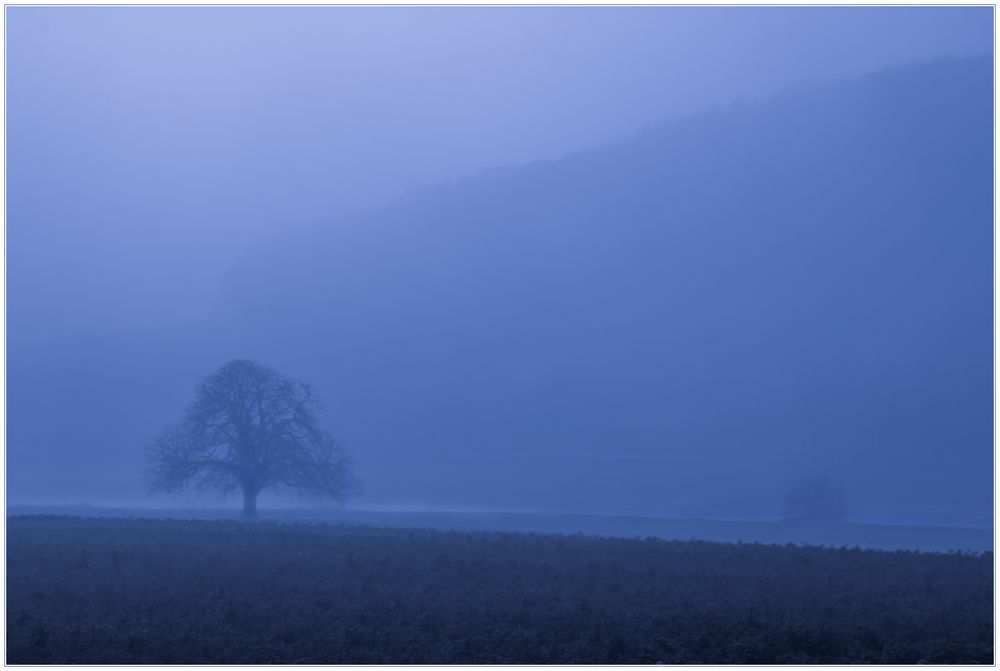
{"x": 148, "y": 146}
{"x": 681, "y": 321}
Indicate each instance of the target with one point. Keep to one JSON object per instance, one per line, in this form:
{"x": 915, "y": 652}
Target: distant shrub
{"x": 817, "y": 498}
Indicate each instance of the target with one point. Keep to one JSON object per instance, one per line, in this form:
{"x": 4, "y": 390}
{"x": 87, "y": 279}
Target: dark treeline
{"x": 103, "y": 591}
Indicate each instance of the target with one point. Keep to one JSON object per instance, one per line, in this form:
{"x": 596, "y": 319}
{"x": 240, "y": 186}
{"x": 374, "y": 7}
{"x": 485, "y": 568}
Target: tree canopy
{"x": 251, "y": 428}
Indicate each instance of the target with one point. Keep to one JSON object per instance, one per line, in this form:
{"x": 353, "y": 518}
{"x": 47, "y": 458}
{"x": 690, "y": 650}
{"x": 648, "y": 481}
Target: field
{"x": 837, "y": 534}
{"x": 133, "y": 591}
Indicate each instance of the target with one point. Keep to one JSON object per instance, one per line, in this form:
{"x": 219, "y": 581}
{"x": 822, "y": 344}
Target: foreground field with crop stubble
{"x": 125, "y": 591}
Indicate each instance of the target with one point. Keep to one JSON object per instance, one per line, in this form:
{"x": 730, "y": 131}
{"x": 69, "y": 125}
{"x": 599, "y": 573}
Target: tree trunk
{"x": 249, "y": 503}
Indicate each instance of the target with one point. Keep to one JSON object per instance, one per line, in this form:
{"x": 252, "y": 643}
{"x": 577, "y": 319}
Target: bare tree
{"x": 251, "y": 428}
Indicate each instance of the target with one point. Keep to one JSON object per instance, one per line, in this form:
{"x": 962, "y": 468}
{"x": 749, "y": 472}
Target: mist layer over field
{"x": 732, "y": 250}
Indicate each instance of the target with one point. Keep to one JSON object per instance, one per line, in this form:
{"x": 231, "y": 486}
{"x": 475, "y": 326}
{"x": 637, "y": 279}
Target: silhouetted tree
{"x": 250, "y": 428}
{"x": 816, "y": 498}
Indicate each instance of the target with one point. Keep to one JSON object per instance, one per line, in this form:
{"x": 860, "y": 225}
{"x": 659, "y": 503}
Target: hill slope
{"x": 801, "y": 284}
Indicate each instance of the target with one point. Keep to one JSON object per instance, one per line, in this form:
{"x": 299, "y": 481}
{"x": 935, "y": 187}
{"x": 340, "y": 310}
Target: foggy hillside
{"x": 683, "y": 323}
